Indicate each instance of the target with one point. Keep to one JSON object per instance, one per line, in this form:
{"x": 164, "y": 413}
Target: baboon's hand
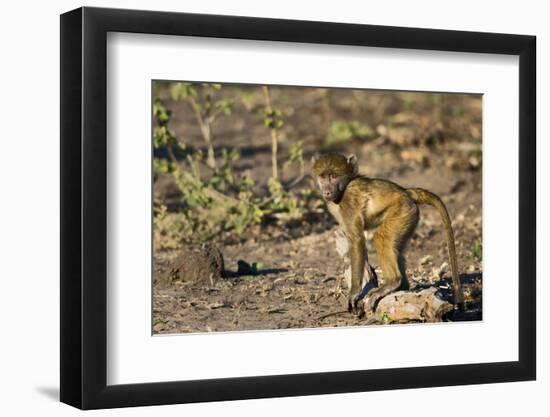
{"x": 355, "y": 304}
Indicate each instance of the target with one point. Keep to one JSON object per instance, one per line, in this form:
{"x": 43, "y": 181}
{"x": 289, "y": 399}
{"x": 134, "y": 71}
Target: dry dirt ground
{"x": 301, "y": 276}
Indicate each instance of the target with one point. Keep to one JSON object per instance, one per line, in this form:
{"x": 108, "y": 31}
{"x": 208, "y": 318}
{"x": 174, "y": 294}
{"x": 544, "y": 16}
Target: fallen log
{"x": 404, "y": 307}
{"x": 411, "y": 306}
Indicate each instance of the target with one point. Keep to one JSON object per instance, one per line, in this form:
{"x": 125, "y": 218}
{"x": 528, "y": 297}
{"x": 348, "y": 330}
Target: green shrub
{"x": 343, "y": 131}
{"x": 477, "y": 250}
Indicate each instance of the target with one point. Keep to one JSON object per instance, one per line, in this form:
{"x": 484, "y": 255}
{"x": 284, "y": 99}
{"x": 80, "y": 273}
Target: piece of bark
{"x": 195, "y": 264}
{"x": 410, "y": 306}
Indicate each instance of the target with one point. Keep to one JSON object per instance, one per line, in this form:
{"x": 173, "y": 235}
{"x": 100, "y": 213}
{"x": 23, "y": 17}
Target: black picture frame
{"x": 84, "y": 207}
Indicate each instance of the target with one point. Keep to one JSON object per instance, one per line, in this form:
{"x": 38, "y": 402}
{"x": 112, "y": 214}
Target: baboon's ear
{"x": 314, "y": 158}
{"x": 352, "y": 162}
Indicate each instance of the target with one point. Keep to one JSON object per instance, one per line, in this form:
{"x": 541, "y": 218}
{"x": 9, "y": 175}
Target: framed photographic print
{"x": 257, "y": 207}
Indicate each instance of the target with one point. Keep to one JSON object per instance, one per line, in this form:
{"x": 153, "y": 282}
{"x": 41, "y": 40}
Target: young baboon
{"x": 359, "y": 203}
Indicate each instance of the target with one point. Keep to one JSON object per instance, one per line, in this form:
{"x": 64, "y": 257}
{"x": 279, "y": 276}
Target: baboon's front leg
{"x": 389, "y": 241}
{"x": 370, "y": 279}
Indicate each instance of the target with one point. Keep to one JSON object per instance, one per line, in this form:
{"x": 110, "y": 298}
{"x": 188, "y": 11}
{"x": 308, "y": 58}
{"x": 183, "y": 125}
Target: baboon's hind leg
{"x": 390, "y": 241}
{"x": 389, "y": 263}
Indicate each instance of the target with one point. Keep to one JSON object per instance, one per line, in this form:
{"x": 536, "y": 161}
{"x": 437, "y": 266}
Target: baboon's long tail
{"x": 421, "y": 196}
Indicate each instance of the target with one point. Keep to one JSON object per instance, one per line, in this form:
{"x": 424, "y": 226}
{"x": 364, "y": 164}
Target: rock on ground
{"x": 196, "y": 264}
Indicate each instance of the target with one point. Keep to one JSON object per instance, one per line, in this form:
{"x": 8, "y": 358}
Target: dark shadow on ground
{"x": 472, "y": 311}
{"x": 261, "y": 272}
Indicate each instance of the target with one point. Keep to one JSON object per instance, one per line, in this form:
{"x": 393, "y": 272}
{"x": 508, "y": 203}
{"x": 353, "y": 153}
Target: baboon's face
{"x": 333, "y": 172}
{"x": 332, "y": 186}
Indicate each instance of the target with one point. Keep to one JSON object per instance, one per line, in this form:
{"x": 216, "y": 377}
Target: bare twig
{"x": 274, "y": 136}
{"x": 297, "y": 181}
{"x": 334, "y": 313}
{"x": 205, "y": 124}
